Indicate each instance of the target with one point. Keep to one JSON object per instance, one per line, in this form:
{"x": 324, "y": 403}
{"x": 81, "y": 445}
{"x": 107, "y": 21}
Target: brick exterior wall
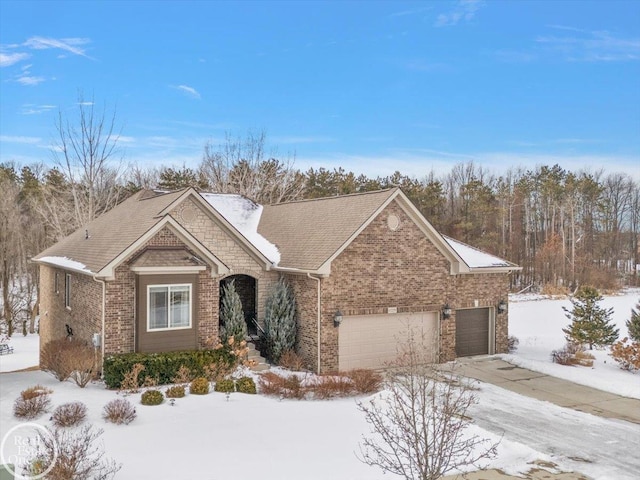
{"x": 83, "y": 316}
{"x": 402, "y": 269}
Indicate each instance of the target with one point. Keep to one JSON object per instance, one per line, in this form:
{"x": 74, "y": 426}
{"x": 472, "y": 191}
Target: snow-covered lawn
{"x": 252, "y": 435}
{"x": 25, "y": 353}
{"x": 538, "y": 322}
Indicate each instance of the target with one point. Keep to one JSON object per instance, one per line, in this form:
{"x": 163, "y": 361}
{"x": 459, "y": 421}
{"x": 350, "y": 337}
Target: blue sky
{"x": 372, "y": 87}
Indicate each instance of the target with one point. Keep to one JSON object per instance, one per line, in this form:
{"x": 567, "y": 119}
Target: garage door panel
{"x": 371, "y": 341}
{"x": 472, "y": 332}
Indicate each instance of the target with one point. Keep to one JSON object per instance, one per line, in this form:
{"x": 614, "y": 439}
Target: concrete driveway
{"x": 551, "y": 389}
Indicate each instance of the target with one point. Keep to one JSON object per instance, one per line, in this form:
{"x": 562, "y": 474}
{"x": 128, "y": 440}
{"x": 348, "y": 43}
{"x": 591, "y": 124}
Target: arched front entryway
{"x": 245, "y": 285}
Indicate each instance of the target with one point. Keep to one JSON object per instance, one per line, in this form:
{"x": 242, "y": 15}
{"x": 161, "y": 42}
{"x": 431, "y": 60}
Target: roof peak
{"x": 335, "y": 197}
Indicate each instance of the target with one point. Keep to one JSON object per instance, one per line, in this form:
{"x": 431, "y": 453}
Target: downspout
{"x": 317, "y": 279}
{"x": 104, "y": 305}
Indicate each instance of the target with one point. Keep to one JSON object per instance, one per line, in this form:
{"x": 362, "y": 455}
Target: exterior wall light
{"x": 337, "y": 318}
{"x": 446, "y": 311}
{"x": 502, "y": 306}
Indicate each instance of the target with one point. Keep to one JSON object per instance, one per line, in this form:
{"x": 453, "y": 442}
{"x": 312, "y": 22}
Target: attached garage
{"x": 474, "y": 332}
{"x": 371, "y": 341}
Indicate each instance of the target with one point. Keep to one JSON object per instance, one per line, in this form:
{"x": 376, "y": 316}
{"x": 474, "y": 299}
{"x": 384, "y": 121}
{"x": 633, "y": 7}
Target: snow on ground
{"x": 538, "y": 326}
{"x": 25, "y": 353}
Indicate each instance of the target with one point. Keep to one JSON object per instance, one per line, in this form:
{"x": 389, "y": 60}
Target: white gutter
{"x": 319, "y": 317}
{"x": 104, "y": 305}
{"x": 301, "y": 271}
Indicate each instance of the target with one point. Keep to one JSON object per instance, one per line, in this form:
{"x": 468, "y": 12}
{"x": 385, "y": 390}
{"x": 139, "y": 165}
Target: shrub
{"x": 231, "y": 313}
{"x": 119, "y": 411}
{"x": 285, "y": 387}
{"x": 292, "y": 361}
{"x": 330, "y": 386}
{"x": 512, "y": 344}
{"x": 177, "y": 391}
{"x": 280, "y": 326}
{"x": 627, "y": 355}
{"x": 130, "y": 383}
{"x": 571, "y": 354}
{"x": 584, "y": 359}
{"x": 31, "y": 408}
{"x": 152, "y": 397}
{"x": 69, "y": 414}
{"x": 183, "y": 376}
{"x": 633, "y": 324}
{"x": 199, "y": 386}
{"x": 224, "y": 385}
{"x": 246, "y": 385}
{"x": 164, "y": 367}
{"x": 365, "y": 381}
{"x": 68, "y": 358}
{"x": 35, "y": 391}
{"x": 71, "y": 454}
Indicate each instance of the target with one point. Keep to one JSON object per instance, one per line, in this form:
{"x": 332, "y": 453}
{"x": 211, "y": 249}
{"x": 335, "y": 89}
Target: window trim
{"x": 168, "y": 286}
{"x": 67, "y": 290}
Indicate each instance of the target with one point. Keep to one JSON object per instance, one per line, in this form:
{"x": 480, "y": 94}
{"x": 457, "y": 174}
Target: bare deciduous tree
{"x": 86, "y": 151}
{"x": 418, "y": 422}
{"x": 241, "y": 166}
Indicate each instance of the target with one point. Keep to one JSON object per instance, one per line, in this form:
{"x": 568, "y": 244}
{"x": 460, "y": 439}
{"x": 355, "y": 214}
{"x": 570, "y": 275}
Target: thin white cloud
{"x": 20, "y": 139}
{"x": 7, "y": 59}
{"x": 71, "y": 45}
{"x": 463, "y": 11}
{"x": 29, "y": 80}
{"x": 190, "y": 91}
{"x": 404, "y": 13}
{"x": 576, "y": 44}
{"x": 292, "y": 139}
{"x": 32, "y": 109}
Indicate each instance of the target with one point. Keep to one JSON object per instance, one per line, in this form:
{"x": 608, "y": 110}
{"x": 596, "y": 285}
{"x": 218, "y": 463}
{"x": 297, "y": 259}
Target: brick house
{"x": 147, "y": 276}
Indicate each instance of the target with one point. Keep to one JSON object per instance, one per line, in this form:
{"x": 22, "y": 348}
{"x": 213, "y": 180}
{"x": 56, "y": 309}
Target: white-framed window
{"x": 56, "y": 283}
{"x": 168, "y": 307}
{"x": 67, "y": 290}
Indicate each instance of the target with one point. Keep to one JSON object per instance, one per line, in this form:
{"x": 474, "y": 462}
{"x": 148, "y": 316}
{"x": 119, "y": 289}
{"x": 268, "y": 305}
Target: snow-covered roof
{"x": 66, "y": 263}
{"x": 475, "y": 258}
{"x": 244, "y": 214}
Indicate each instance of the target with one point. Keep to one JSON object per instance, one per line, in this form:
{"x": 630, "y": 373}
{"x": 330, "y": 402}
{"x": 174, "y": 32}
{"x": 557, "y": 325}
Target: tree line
{"x": 564, "y": 228}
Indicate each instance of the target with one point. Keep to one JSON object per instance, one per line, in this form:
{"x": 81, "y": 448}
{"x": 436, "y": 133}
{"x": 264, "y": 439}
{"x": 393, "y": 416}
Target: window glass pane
{"x": 158, "y": 317}
{"x": 180, "y": 306}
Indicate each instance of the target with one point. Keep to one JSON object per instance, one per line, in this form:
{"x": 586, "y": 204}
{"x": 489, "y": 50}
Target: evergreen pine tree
{"x": 633, "y": 324}
{"x": 232, "y": 314}
{"x": 280, "y": 321}
{"x": 590, "y": 323}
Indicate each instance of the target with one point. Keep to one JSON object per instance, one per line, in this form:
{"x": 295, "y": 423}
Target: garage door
{"x": 472, "y": 332}
{"x": 371, "y": 341}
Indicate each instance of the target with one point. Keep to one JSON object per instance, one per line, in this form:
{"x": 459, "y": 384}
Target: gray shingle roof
{"x": 309, "y": 232}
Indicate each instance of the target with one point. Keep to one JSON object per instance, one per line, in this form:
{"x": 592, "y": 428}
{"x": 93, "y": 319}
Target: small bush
{"x": 183, "y": 376}
{"x": 365, "y": 381}
{"x": 626, "y": 354}
{"x": 119, "y": 411}
{"x": 512, "y": 344}
{"x": 130, "y": 383}
{"x": 246, "y": 385}
{"x": 224, "y": 385}
{"x": 566, "y": 355}
{"x": 285, "y": 387}
{"x": 177, "y": 391}
{"x": 292, "y": 361}
{"x": 199, "y": 386}
{"x": 164, "y": 367}
{"x": 69, "y": 414}
{"x": 331, "y": 386}
{"x": 152, "y": 397}
{"x": 35, "y": 391}
{"x": 32, "y": 407}
{"x": 584, "y": 359}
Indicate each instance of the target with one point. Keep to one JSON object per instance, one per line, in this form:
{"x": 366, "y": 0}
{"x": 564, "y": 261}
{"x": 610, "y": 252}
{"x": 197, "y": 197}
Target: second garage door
{"x": 371, "y": 341}
{"x": 472, "y": 332}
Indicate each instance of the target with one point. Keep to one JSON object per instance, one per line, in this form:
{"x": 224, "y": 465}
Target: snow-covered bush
{"x": 626, "y": 354}
{"x": 68, "y": 358}
{"x": 69, "y": 414}
{"x": 119, "y": 411}
{"x": 280, "y": 326}
{"x": 365, "y": 380}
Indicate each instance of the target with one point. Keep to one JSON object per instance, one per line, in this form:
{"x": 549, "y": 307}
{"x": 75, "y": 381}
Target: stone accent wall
{"x": 400, "y": 269}
{"x": 227, "y": 248}
{"x": 83, "y": 316}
